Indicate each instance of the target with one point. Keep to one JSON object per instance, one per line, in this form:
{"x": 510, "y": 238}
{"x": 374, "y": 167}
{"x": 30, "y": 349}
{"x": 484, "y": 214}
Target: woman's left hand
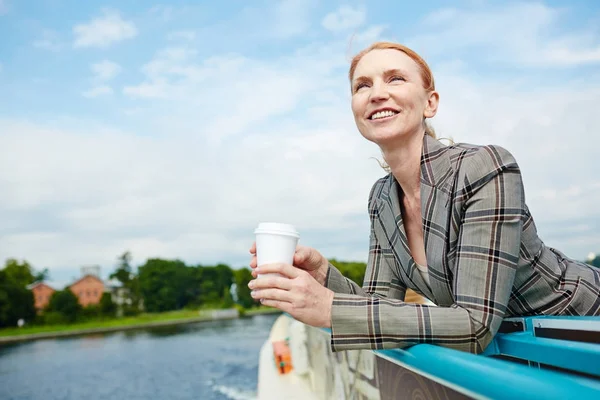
{"x": 296, "y": 293}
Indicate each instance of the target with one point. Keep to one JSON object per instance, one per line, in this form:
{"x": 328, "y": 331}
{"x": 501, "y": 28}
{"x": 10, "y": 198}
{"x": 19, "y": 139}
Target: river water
{"x": 201, "y": 361}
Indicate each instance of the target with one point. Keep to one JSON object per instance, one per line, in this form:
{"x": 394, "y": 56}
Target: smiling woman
{"x": 449, "y": 222}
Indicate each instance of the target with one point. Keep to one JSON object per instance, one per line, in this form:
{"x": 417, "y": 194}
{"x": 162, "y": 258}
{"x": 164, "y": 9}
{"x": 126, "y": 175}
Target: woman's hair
{"x": 426, "y": 75}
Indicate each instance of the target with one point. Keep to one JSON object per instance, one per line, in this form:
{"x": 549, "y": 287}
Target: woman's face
{"x": 388, "y": 98}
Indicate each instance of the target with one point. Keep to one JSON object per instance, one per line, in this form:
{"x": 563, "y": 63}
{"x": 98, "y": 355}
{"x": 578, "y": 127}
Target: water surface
{"x": 208, "y": 360}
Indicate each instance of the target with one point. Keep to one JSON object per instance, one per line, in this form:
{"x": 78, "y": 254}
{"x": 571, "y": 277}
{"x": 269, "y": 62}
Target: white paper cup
{"x": 275, "y": 243}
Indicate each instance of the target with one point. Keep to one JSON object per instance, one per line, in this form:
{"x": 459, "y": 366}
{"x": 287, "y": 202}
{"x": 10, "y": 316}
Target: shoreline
{"x": 215, "y": 315}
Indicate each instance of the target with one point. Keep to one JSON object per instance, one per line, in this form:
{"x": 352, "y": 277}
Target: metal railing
{"x": 539, "y": 357}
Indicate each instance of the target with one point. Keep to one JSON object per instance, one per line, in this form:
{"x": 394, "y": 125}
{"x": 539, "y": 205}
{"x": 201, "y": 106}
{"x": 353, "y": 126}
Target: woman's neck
{"x": 405, "y": 163}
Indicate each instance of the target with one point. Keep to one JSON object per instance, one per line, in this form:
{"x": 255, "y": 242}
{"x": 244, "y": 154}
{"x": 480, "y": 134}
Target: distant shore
{"x": 50, "y": 332}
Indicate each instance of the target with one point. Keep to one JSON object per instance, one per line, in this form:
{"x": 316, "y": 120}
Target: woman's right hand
{"x": 305, "y": 258}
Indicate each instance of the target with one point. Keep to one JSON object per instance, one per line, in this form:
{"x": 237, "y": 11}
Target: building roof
{"x": 84, "y": 277}
{"x": 56, "y": 285}
{"x": 36, "y": 284}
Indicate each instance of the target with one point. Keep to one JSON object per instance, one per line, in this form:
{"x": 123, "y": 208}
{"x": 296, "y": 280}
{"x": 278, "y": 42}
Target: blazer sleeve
{"x": 487, "y": 256}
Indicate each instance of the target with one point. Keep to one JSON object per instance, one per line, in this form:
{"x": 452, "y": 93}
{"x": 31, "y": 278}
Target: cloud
{"x": 103, "y": 31}
{"x": 344, "y": 18}
{"x": 206, "y": 91}
{"x": 98, "y": 91}
{"x": 49, "y": 41}
{"x": 105, "y": 70}
{"x": 499, "y": 35}
{"x": 163, "y": 204}
{"x": 182, "y": 35}
{"x": 292, "y": 17}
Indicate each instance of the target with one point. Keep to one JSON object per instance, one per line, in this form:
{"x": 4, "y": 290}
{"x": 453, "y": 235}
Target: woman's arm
{"x": 488, "y": 251}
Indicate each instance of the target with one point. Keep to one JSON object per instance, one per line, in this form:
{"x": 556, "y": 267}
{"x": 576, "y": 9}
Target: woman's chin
{"x": 385, "y": 137}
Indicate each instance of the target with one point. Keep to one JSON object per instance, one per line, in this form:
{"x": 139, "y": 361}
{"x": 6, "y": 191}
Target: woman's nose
{"x": 379, "y": 92}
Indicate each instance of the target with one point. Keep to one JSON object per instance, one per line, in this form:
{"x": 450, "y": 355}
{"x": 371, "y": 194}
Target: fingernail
{"x": 253, "y": 293}
{"x": 251, "y": 284}
{"x": 257, "y": 269}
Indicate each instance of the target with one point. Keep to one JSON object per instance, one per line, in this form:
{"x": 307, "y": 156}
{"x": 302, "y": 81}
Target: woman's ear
{"x": 432, "y": 104}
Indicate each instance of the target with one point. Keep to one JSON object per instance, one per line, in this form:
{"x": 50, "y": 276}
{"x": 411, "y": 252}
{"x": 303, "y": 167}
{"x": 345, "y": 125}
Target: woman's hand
{"x": 305, "y": 258}
{"x": 296, "y": 293}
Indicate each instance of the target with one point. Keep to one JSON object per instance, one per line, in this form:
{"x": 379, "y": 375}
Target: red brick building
{"x": 41, "y": 294}
{"x": 88, "y": 290}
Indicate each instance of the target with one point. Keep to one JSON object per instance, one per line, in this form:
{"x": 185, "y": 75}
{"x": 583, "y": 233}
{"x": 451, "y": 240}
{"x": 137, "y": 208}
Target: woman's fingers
{"x": 272, "y": 294}
{"x": 272, "y": 281}
{"x": 253, "y": 248}
{"x": 286, "y": 270}
{"x": 282, "y": 305}
{"x": 307, "y": 258}
{"x": 301, "y": 254}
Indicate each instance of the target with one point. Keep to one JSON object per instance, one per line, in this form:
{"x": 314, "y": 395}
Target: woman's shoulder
{"x": 382, "y": 184}
{"x": 474, "y": 162}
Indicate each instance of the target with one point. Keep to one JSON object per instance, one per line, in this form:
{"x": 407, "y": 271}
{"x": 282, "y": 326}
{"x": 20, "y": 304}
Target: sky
{"x": 172, "y": 129}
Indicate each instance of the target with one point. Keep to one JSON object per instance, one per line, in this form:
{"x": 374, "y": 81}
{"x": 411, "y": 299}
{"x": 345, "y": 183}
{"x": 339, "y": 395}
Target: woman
{"x": 449, "y": 222}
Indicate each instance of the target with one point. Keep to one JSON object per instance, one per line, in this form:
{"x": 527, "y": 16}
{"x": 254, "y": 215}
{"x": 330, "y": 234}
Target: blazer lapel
{"x": 393, "y": 226}
{"x": 436, "y": 190}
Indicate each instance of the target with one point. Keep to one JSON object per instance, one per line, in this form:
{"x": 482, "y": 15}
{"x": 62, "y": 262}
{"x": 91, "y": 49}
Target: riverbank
{"x": 12, "y": 335}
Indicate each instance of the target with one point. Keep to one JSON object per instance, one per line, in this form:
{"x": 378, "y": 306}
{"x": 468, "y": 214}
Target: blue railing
{"x": 574, "y": 365}
{"x": 483, "y": 377}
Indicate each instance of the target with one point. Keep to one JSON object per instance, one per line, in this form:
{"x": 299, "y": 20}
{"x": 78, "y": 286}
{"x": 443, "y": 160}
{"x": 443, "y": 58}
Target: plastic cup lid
{"x": 277, "y": 228}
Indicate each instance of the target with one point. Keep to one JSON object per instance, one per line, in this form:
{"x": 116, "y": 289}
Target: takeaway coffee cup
{"x": 275, "y": 243}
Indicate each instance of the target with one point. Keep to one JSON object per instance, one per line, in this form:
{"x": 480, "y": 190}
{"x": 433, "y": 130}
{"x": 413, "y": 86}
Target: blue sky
{"x": 170, "y": 130}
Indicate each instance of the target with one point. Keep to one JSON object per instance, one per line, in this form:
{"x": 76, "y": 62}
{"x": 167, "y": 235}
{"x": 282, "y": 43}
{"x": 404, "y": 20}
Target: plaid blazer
{"x": 484, "y": 257}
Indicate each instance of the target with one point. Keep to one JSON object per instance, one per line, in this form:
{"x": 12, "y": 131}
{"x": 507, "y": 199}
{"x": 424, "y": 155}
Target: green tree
{"x": 91, "y": 312}
{"x": 20, "y": 273}
{"x": 42, "y": 275}
{"x": 212, "y": 282}
{"x": 66, "y": 304}
{"x": 242, "y": 277}
{"x": 16, "y": 301}
{"x": 123, "y": 272}
{"x": 107, "y": 305}
{"x": 130, "y": 282}
{"x": 227, "y": 299}
{"x": 166, "y": 284}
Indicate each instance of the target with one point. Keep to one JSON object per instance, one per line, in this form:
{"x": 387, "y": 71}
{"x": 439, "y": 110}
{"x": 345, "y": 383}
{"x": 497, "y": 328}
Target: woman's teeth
{"x": 383, "y": 114}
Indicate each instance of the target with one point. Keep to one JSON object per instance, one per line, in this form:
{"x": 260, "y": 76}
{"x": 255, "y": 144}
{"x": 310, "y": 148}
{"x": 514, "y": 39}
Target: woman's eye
{"x": 396, "y": 78}
{"x": 360, "y": 86}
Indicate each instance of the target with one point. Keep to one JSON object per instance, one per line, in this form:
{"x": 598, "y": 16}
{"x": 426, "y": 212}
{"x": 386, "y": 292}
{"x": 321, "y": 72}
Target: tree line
{"x": 158, "y": 285}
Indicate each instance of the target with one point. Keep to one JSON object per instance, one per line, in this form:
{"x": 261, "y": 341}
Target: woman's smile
{"x": 381, "y": 115}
